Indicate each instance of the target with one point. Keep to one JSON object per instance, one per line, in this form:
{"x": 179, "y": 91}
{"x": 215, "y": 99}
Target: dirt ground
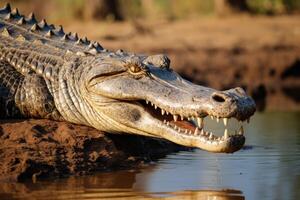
{"x": 37, "y": 149}
{"x": 261, "y": 54}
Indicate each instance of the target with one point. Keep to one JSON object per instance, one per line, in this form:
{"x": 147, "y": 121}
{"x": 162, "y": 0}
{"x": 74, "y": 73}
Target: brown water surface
{"x": 267, "y": 168}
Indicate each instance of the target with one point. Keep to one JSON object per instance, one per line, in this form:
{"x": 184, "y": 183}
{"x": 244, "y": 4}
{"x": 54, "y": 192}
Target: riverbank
{"x": 38, "y": 149}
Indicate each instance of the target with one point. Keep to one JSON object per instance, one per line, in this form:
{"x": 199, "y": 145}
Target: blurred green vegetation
{"x": 152, "y": 9}
{"x": 273, "y": 6}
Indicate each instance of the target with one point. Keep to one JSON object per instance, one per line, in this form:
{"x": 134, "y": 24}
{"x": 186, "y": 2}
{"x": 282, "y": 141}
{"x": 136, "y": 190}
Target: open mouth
{"x": 194, "y": 128}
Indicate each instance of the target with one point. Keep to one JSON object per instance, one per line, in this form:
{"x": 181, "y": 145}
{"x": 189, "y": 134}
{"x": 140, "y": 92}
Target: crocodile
{"x": 47, "y": 73}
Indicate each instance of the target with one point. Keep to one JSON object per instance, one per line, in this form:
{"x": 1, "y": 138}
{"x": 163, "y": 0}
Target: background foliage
{"x": 152, "y": 9}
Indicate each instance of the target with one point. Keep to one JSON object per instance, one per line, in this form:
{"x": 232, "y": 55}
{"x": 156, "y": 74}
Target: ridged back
{"x": 27, "y": 29}
{"x": 32, "y": 46}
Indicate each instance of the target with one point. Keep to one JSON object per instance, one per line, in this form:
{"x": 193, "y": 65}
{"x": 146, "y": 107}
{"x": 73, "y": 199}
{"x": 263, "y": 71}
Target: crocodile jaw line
{"x": 185, "y": 131}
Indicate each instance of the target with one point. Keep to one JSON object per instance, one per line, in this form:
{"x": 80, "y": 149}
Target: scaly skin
{"x": 45, "y": 73}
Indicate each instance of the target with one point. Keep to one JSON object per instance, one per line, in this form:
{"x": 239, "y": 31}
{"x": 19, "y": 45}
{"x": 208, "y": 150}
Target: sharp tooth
{"x": 200, "y": 122}
{"x": 210, "y": 136}
{"x": 212, "y": 117}
{"x": 175, "y": 127}
{"x": 181, "y": 116}
{"x": 165, "y": 121}
{"x": 186, "y": 131}
{"x": 218, "y": 119}
{"x": 225, "y": 120}
{"x": 196, "y": 131}
{"x": 155, "y": 106}
{"x": 202, "y": 132}
{"x": 226, "y": 133}
{"x": 241, "y": 132}
{"x": 162, "y": 112}
{"x": 147, "y": 101}
{"x": 179, "y": 130}
{"x": 190, "y": 132}
{"x": 167, "y": 112}
{"x": 168, "y": 123}
{"x": 189, "y": 118}
{"x": 175, "y": 117}
{"x": 152, "y": 104}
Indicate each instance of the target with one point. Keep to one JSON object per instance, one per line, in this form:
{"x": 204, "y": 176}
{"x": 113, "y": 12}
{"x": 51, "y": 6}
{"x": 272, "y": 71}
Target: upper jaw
{"x": 205, "y": 140}
{"x": 182, "y": 97}
{"x": 241, "y": 109}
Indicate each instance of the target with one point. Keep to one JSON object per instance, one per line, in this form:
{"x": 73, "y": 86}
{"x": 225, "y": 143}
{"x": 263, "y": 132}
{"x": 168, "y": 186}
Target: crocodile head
{"x": 142, "y": 95}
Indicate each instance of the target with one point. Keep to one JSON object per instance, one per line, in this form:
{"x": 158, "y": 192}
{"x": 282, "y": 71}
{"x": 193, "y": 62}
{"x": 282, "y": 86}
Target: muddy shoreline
{"x": 39, "y": 149}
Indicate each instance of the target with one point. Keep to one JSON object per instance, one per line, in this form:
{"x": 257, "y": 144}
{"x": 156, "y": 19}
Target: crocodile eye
{"x": 135, "y": 69}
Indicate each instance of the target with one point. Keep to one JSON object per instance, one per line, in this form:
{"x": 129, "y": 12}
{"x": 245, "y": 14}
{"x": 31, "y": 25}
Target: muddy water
{"x": 267, "y": 168}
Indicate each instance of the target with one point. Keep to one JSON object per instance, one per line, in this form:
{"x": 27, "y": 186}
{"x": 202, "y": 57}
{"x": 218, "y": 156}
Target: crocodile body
{"x": 46, "y": 73}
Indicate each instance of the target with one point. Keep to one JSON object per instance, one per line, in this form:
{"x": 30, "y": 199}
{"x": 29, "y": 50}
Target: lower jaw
{"x": 204, "y": 140}
{"x": 229, "y": 145}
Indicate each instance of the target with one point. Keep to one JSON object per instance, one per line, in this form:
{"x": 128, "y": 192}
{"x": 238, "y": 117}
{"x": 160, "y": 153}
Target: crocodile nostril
{"x": 218, "y": 98}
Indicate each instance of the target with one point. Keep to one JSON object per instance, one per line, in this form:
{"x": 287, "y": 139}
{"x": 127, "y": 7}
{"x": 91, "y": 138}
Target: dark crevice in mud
{"x": 292, "y": 92}
{"x": 259, "y": 95}
{"x": 38, "y": 149}
{"x": 238, "y": 50}
{"x": 238, "y": 76}
{"x": 278, "y": 47}
{"x": 272, "y": 72}
{"x": 292, "y": 71}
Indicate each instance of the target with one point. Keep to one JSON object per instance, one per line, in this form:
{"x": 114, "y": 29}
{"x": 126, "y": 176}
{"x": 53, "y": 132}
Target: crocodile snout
{"x": 232, "y": 103}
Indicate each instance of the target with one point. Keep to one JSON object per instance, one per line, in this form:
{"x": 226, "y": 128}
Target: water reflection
{"x": 268, "y": 168}
{"x": 68, "y": 191}
{"x": 116, "y": 185}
